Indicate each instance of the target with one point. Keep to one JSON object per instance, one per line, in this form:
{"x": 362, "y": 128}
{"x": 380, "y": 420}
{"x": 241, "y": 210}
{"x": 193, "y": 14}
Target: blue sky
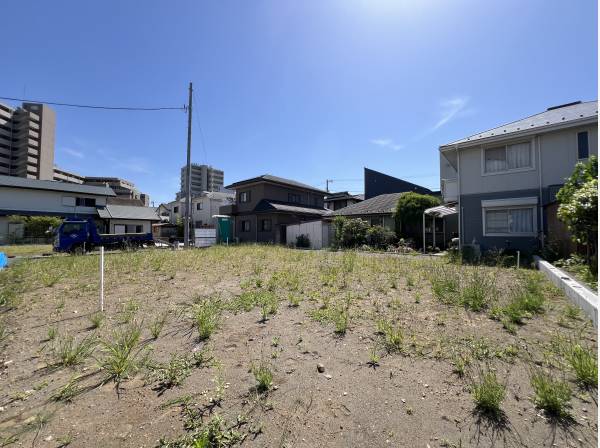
{"x": 309, "y": 90}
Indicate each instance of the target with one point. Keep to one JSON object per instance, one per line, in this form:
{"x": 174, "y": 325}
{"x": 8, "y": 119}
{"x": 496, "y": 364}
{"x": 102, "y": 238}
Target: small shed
{"x": 318, "y": 232}
{"x": 440, "y": 225}
{"x": 128, "y": 218}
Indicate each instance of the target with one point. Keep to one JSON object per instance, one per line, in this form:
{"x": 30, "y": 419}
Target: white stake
{"x": 518, "y": 258}
{"x": 102, "y": 279}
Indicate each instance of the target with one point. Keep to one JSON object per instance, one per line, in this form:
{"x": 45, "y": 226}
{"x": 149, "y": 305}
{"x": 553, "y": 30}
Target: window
{"x": 316, "y": 201}
{"x": 175, "y": 209}
{"x": 246, "y": 226}
{"x": 295, "y": 198}
{"x": 265, "y": 225}
{"x": 119, "y": 228}
{"x": 377, "y": 221}
{"x": 508, "y": 158}
{"x": 199, "y": 206}
{"x": 245, "y": 196}
{"x": 198, "y": 224}
{"x": 85, "y": 202}
{"x": 509, "y": 221}
{"x": 583, "y": 145}
{"x": 72, "y": 227}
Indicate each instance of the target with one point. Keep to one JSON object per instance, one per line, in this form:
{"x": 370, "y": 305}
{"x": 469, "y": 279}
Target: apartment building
{"x": 204, "y": 178}
{"x": 503, "y": 182}
{"x": 27, "y": 141}
{"x": 67, "y": 176}
{"x": 204, "y": 207}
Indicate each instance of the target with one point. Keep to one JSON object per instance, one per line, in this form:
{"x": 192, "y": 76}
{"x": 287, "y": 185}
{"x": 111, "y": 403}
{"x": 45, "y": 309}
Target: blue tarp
{"x": 3, "y": 260}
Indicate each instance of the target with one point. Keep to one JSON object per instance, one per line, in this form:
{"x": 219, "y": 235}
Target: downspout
{"x": 542, "y": 238}
{"x": 460, "y": 210}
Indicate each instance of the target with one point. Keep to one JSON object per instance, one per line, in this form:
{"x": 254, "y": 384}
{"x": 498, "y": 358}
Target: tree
{"x": 409, "y": 213}
{"x": 350, "y": 232}
{"x": 578, "y": 207}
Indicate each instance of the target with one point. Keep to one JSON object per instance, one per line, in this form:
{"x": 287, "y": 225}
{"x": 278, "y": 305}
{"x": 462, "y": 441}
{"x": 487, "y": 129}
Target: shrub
{"x": 409, "y": 214}
{"x": 349, "y": 233}
{"x": 551, "y": 395}
{"x": 488, "y": 394}
{"x": 303, "y": 241}
{"x": 379, "y": 237}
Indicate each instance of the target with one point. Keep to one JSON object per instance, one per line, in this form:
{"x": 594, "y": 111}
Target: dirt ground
{"x": 328, "y": 315}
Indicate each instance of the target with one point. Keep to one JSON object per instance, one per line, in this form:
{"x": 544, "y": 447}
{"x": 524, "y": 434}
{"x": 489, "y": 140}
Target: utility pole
{"x": 188, "y": 181}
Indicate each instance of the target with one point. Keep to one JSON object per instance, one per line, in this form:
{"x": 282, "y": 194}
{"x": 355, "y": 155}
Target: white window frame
{"x": 577, "y": 144}
{"x": 508, "y": 171}
{"x": 509, "y": 204}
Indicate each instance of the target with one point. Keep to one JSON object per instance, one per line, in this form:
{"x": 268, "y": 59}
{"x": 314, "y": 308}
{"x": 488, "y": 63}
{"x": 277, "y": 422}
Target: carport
{"x": 439, "y": 212}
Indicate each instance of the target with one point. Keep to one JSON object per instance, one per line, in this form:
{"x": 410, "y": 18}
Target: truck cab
{"x": 73, "y": 235}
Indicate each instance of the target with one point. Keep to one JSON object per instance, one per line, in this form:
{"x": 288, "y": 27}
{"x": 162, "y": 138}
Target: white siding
{"x": 317, "y": 231}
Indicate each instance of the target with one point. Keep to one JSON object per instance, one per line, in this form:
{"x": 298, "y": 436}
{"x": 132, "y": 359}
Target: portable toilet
{"x": 224, "y": 228}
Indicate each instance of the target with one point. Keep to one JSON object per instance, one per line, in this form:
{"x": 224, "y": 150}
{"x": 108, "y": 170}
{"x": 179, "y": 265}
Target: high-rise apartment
{"x": 27, "y": 141}
{"x": 204, "y": 178}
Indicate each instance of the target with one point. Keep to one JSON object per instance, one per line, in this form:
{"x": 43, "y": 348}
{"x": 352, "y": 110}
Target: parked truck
{"x": 81, "y": 235}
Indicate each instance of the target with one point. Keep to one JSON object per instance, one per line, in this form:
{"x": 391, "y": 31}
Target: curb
{"x": 578, "y": 294}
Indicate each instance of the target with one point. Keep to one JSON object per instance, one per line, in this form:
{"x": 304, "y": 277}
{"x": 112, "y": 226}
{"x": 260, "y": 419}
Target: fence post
{"x": 102, "y": 279}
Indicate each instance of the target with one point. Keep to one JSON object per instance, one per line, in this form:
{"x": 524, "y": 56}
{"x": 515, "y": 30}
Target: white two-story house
{"x": 504, "y": 180}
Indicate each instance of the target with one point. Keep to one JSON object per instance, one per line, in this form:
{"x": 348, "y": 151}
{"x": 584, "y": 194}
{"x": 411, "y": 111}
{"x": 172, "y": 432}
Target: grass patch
{"x": 68, "y": 352}
{"x": 157, "y": 325}
{"x": 123, "y": 353}
{"x": 206, "y": 317}
{"x": 488, "y": 394}
{"x": 584, "y": 363}
{"x": 551, "y": 395}
{"x": 263, "y": 375}
{"x": 96, "y": 320}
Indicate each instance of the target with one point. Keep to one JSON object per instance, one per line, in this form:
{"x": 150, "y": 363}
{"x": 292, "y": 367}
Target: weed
{"x": 374, "y": 357}
{"x": 96, "y": 320}
{"x": 206, "y": 316}
{"x": 393, "y": 337}
{"x": 68, "y": 352}
{"x": 409, "y": 410}
{"x": 475, "y": 295}
{"x": 275, "y": 341}
{"x": 157, "y": 325}
{"x": 294, "y": 300}
{"x": 67, "y": 392}
{"x": 172, "y": 373}
{"x": 488, "y": 394}
{"x": 585, "y": 365}
{"x": 123, "y": 355}
{"x": 444, "y": 285}
{"x": 460, "y": 363}
{"x": 52, "y": 333}
{"x": 65, "y": 441}
{"x": 268, "y": 305}
{"x": 573, "y": 312}
{"x": 263, "y": 376}
{"x": 50, "y": 278}
{"x": 551, "y": 395}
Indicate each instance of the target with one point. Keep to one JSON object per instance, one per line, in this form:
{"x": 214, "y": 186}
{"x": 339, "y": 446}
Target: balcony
{"x": 450, "y": 190}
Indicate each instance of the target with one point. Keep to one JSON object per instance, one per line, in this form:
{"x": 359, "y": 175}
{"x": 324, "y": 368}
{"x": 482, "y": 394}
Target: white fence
{"x": 205, "y": 237}
{"x": 318, "y": 233}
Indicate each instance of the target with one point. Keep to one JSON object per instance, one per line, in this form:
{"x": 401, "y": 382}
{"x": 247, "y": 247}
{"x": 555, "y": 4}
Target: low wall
{"x": 578, "y": 294}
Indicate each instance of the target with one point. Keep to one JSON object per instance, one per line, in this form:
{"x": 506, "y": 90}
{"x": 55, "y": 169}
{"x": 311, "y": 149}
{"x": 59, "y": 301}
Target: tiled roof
{"x": 277, "y": 180}
{"x": 273, "y": 206}
{"x": 382, "y": 204}
{"x": 53, "y": 185}
{"x": 128, "y": 212}
{"x": 572, "y": 112}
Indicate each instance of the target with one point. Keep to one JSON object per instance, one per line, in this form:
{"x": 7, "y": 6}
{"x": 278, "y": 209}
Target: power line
{"x": 88, "y": 106}
{"x": 201, "y": 132}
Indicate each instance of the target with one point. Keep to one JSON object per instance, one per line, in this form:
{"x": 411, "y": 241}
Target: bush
{"x": 350, "y": 233}
{"x": 303, "y": 241}
{"x": 379, "y": 237}
{"x": 409, "y": 214}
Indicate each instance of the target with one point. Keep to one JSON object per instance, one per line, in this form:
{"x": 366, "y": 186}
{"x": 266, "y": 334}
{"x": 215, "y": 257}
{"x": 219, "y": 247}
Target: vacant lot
{"x": 26, "y": 249}
{"x": 267, "y": 346}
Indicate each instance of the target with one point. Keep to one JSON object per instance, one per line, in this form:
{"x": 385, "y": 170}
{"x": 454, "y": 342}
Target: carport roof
{"x": 274, "y": 206}
{"x": 112, "y": 211}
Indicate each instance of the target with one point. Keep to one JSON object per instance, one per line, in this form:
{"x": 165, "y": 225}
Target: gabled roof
{"x": 565, "y": 115}
{"x": 128, "y": 212}
{"x": 379, "y": 205}
{"x": 275, "y": 180}
{"x": 275, "y": 206}
{"x": 342, "y": 195}
{"x": 53, "y": 185}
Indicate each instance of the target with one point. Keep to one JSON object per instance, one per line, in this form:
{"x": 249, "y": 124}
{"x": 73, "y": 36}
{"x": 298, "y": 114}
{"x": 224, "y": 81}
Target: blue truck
{"x": 80, "y": 235}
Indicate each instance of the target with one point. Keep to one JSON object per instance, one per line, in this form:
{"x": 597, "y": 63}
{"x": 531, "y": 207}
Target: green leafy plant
{"x": 172, "y": 373}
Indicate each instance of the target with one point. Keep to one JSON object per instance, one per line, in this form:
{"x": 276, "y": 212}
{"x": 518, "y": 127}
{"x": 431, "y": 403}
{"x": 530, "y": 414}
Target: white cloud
{"x": 450, "y": 109}
{"x": 387, "y": 143}
{"x": 73, "y": 152}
